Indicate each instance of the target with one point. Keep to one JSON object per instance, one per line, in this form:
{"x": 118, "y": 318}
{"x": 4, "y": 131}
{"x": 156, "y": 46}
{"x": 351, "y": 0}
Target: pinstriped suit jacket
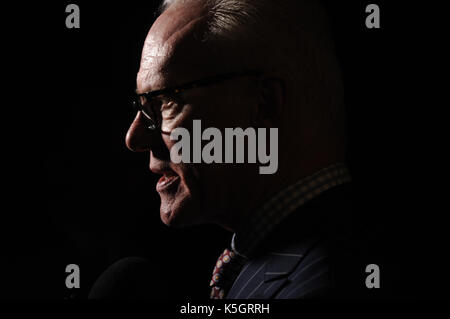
{"x": 299, "y": 259}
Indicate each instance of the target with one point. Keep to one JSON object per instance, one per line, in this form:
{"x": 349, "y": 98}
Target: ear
{"x": 271, "y": 100}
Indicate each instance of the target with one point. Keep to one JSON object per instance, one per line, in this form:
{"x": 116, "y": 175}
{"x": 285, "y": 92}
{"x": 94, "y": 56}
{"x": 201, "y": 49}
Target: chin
{"x": 179, "y": 210}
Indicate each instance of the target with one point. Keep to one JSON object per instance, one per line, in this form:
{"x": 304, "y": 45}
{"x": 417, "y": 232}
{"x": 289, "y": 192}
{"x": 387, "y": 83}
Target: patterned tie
{"x": 227, "y": 268}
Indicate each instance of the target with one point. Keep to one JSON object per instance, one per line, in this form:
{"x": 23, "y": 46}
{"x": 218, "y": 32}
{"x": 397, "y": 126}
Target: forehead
{"x": 173, "y": 51}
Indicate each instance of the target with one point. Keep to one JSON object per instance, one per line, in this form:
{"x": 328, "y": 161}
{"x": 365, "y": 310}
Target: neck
{"x": 266, "y": 186}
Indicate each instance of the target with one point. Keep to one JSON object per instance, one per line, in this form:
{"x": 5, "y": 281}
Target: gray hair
{"x": 288, "y": 25}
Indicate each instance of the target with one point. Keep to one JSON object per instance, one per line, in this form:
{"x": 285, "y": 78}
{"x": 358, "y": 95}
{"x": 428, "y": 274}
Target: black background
{"x": 73, "y": 193}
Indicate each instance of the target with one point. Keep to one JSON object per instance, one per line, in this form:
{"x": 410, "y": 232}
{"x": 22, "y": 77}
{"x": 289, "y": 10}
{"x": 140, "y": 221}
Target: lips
{"x": 166, "y": 182}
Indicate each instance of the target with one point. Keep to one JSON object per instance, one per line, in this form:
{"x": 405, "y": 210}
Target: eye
{"x": 169, "y": 109}
{"x": 166, "y": 105}
{"x": 164, "y": 102}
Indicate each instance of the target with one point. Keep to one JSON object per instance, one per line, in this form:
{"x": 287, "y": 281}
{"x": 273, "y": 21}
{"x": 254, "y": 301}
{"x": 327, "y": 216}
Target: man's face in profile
{"x": 173, "y": 55}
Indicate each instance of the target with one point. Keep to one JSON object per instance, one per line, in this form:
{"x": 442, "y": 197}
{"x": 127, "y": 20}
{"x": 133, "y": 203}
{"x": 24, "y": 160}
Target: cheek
{"x": 229, "y": 113}
{"x": 177, "y": 119}
{"x": 168, "y": 142}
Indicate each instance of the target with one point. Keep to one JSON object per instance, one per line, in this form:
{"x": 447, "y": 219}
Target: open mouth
{"x": 167, "y": 181}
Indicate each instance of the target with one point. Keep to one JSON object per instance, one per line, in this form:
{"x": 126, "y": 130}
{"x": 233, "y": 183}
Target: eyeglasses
{"x": 153, "y": 103}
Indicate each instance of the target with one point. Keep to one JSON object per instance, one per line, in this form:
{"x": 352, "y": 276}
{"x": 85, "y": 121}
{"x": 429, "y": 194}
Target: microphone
{"x": 130, "y": 278}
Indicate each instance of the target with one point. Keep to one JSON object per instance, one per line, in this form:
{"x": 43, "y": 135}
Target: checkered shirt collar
{"x": 272, "y": 212}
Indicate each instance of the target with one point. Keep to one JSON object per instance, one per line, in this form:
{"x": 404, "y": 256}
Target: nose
{"x": 139, "y": 137}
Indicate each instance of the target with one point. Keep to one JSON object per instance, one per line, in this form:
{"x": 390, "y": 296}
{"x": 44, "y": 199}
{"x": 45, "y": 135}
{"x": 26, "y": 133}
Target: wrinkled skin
{"x": 224, "y": 194}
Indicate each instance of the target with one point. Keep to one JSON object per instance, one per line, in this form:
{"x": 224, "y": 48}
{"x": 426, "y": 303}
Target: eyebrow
{"x": 151, "y": 90}
{"x": 137, "y": 91}
{"x": 163, "y": 91}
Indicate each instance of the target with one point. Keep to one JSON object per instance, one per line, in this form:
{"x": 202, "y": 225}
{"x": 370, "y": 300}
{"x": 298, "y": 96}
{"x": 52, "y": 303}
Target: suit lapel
{"x": 263, "y": 277}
